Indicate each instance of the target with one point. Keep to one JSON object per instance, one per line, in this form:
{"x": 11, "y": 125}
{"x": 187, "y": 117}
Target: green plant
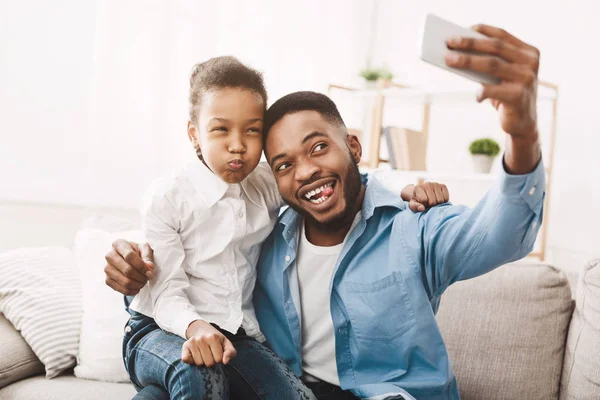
{"x": 485, "y": 146}
{"x": 372, "y": 74}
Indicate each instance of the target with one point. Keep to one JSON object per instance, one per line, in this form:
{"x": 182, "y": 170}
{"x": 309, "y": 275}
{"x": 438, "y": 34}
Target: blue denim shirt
{"x": 388, "y": 281}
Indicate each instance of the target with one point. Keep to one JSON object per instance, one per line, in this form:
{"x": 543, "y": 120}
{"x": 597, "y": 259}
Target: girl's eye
{"x": 255, "y": 130}
{"x": 219, "y": 128}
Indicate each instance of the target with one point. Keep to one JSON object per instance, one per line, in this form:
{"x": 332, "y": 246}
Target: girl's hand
{"x": 206, "y": 345}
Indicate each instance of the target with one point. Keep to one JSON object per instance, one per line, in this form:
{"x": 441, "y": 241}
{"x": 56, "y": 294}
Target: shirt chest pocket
{"x": 380, "y": 310}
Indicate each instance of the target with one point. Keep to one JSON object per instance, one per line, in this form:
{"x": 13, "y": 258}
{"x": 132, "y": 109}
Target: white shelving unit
{"x": 426, "y": 96}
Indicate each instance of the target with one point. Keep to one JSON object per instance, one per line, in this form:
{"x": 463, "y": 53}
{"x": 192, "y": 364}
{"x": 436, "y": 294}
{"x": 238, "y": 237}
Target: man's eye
{"x": 282, "y": 167}
{"x": 320, "y": 146}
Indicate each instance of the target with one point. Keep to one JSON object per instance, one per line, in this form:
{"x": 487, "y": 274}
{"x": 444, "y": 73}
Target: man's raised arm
{"x": 454, "y": 243}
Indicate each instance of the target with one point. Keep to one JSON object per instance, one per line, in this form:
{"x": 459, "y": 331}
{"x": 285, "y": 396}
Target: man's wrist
{"x": 523, "y": 153}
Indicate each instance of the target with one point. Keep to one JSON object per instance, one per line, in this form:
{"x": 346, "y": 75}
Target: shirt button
{"x": 532, "y": 191}
{"x": 287, "y": 258}
{"x": 241, "y": 214}
{"x": 127, "y": 329}
{"x": 534, "y": 224}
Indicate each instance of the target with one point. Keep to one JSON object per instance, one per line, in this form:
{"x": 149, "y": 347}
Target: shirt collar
{"x": 376, "y": 196}
{"x": 251, "y": 192}
{"x": 209, "y": 187}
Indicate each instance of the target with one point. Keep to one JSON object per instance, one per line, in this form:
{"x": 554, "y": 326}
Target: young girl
{"x": 206, "y": 226}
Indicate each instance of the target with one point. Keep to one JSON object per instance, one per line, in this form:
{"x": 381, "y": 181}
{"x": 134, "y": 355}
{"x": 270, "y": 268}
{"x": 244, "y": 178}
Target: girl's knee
{"x": 193, "y": 382}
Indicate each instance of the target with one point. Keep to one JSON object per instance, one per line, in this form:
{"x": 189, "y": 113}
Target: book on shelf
{"x": 407, "y": 149}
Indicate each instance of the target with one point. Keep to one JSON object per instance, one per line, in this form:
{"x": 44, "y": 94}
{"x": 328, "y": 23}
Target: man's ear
{"x": 355, "y": 147}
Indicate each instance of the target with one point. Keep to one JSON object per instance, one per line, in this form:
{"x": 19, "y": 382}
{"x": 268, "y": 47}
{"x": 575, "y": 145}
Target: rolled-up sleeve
{"x": 461, "y": 243}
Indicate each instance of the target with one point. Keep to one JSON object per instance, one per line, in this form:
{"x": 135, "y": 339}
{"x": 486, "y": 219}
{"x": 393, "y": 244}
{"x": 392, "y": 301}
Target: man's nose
{"x": 305, "y": 171}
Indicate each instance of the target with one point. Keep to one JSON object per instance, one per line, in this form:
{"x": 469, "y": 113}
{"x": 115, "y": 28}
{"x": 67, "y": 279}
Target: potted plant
{"x": 371, "y": 75}
{"x": 483, "y": 152}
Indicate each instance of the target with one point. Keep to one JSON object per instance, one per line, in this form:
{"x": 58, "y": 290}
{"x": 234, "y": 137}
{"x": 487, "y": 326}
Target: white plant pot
{"x": 482, "y": 164}
{"x": 370, "y": 85}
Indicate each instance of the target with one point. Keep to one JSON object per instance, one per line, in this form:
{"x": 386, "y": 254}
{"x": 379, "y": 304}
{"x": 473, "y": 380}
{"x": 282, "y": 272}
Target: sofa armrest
{"x": 18, "y": 360}
{"x": 581, "y": 370}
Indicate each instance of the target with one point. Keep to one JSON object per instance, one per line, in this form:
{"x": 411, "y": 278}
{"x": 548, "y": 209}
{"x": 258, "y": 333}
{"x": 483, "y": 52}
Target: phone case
{"x": 433, "y": 47}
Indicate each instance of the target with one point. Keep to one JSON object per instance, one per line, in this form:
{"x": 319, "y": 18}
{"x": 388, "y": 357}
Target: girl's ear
{"x": 193, "y": 136}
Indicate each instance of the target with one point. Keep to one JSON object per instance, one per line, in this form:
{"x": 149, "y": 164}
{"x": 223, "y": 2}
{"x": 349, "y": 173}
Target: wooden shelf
{"x": 431, "y": 95}
{"x": 440, "y": 176}
{"x": 430, "y": 175}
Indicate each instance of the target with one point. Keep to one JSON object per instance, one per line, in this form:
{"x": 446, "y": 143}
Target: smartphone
{"x": 433, "y": 49}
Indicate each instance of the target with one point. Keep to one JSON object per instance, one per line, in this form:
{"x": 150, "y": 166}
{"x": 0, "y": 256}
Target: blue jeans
{"x": 153, "y": 360}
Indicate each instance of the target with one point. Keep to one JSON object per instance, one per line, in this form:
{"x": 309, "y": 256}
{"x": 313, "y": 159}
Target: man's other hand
{"x": 128, "y": 266}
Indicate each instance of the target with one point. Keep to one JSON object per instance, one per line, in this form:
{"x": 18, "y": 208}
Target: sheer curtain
{"x": 94, "y": 94}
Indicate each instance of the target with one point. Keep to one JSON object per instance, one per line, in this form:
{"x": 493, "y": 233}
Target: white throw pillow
{"x": 40, "y": 294}
{"x": 110, "y": 223}
{"x": 104, "y": 316}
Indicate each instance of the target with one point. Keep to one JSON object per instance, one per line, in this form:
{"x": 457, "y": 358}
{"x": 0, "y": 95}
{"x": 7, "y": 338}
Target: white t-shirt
{"x": 315, "y": 265}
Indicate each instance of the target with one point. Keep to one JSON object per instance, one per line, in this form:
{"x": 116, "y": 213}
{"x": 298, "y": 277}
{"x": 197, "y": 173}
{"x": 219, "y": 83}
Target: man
{"x": 349, "y": 281}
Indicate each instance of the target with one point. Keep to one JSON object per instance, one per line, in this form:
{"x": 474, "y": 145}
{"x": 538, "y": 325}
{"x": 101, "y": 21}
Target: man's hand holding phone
{"x": 508, "y": 69}
{"x": 516, "y": 63}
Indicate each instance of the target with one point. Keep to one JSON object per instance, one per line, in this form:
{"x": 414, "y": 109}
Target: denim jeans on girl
{"x": 153, "y": 360}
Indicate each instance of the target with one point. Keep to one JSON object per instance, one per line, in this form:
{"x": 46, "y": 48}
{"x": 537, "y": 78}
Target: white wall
{"x": 45, "y": 67}
{"x": 93, "y": 93}
{"x": 93, "y": 97}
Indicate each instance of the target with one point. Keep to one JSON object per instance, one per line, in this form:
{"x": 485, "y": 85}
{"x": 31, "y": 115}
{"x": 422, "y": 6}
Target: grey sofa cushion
{"x": 17, "y": 360}
{"x": 66, "y": 387}
{"x": 505, "y": 332}
{"x": 581, "y": 371}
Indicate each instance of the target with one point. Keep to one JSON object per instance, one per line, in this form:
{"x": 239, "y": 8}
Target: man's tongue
{"x": 327, "y": 192}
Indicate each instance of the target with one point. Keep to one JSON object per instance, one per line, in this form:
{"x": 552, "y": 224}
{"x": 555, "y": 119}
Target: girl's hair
{"x": 219, "y": 73}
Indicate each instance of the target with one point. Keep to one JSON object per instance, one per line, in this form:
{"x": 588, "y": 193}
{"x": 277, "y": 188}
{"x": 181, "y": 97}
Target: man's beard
{"x": 352, "y": 185}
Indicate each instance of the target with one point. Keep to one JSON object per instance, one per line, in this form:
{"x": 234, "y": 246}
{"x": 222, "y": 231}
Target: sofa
{"x": 515, "y": 333}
